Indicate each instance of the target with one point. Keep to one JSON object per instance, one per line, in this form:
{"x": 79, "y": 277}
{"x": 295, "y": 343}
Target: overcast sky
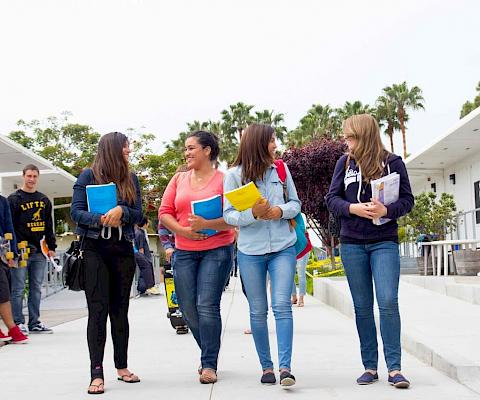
{"x": 160, "y": 64}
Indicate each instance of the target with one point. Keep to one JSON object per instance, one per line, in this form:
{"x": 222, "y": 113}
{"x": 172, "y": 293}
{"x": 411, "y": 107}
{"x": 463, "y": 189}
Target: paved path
{"x": 326, "y": 361}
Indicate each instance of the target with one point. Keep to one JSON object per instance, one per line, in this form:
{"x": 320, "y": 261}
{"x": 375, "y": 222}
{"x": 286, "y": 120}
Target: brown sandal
{"x": 208, "y": 375}
{"x": 97, "y": 391}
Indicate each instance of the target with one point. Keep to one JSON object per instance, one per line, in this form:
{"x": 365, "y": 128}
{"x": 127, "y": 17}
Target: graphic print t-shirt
{"x": 32, "y": 218}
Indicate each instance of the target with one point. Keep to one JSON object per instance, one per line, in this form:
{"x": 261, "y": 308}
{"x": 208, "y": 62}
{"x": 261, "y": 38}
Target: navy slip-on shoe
{"x": 367, "y": 378}
{"x": 287, "y": 379}
{"x": 268, "y": 378}
{"x": 399, "y": 381}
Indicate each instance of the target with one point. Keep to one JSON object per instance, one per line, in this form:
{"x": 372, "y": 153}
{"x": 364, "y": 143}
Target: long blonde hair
{"x": 369, "y": 152}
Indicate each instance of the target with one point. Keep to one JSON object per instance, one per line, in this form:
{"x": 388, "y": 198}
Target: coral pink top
{"x": 176, "y": 201}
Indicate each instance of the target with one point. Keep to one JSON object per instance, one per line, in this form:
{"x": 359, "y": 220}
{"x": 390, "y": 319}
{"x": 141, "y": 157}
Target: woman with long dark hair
{"x": 265, "y": 245}
{"x": 109, "y": 263}
{"x": 369, "y": 251}
{"x": 201, "y": 263}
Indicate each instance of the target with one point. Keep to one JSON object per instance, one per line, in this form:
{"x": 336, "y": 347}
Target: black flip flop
{"x": 122, "y": 378}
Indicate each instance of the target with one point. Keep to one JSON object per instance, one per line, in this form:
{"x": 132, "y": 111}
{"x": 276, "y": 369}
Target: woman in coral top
{"x": 201, "y": 264}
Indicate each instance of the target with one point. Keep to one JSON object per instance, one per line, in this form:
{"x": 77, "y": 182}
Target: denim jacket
{"x": 88, "y": 222}
{"x": 258, "y": 237}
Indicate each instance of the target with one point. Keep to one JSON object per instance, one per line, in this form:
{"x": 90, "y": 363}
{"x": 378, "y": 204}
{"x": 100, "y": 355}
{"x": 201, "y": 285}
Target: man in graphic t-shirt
{"x": 32, "y": 220}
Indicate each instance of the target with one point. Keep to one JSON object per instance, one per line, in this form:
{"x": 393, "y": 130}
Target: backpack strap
{"x": 281, "y": 171}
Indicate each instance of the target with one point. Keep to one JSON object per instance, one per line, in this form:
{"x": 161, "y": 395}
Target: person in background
{"x": 302, "y": 281}
{"x": 201, "y": 263}
{"x": 109, "y": 263}
{"x": 144, "y": 260}
{"x": 265, "y": 245}
{"x": 369, "y": 252}
{"x": 32, "y": 217}
{"x": 14, "y": 334}
{"x": 167, "y": 239}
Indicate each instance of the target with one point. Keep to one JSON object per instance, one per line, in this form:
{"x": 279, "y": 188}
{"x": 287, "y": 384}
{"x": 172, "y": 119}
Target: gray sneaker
{"x": 23, "y": 329}
{"x": 40, "y": 328}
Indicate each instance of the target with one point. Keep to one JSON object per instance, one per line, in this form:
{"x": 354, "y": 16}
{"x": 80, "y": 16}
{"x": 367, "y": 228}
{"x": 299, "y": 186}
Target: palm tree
{"x": 275, "y": 120}
{"x": 387, "y": 112}
{"x": 238, "y": 117}
{"x": 320, "y": 121}
{"x": 404, "y": 99}
{"x": 355, "y": 108}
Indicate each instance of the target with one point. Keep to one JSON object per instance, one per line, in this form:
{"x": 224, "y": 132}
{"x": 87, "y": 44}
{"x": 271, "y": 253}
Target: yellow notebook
{"x": 243, "y": 197}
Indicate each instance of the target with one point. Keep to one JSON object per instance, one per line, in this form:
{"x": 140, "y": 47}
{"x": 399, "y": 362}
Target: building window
{"x": 476, "y": 189}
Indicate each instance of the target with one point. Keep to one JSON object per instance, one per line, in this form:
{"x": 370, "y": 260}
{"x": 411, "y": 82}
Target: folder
{"x": 244, "y": 197}
{"x": 386, "y": 190}
{"x": 101, "y": 198}
{"x": 210, "y": 208}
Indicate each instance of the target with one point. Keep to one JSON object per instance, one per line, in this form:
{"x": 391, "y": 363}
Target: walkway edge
{"x": 464, "y": 371}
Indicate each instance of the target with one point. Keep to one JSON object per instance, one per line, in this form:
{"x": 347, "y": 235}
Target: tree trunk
{"x": 401, "y": 117}
{"x": 390, "y": 135}
{"x": 332, "y": 253}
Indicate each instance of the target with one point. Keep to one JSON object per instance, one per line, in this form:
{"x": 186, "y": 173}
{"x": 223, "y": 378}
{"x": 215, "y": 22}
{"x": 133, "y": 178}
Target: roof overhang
{"x": 460, "y": 142}
{"x": 54, "y": 181}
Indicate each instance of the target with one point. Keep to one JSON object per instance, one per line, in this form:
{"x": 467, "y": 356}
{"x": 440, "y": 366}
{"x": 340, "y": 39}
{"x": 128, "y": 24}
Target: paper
{"x": 101, "y": 198}
{"x": 210, "y": 208}
{"x": 243, "y": 197}
{"x": 386, "y": 190}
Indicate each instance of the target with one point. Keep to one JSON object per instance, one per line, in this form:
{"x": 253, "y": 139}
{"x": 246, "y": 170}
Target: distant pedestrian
{"x": 32, "y": 216}
{"x": 144, "y": 260}
{"x": 369, "y": 252}
{"x": 14, "y": 334}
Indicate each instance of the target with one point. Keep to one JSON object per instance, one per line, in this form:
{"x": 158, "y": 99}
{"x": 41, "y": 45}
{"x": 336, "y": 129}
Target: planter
{"x": 467, "y": 261}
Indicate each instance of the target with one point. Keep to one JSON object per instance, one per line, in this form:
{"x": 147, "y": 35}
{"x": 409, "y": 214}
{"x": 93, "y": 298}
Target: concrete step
{"x": 439, "y": 330}
{"x": 466, "y": 288}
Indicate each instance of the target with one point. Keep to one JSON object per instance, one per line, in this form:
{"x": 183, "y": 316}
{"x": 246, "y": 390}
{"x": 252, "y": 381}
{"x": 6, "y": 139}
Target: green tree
{"x": 431, "y": 216}
{"x": 354, "y": 108}
{"x": 405, "y": 99}
{"x": 275, "y": 120}
{"x": 469, "y": 106}
{"x": 386, "y": 114}
{"x": 66, "y": 145}
{"x": 319, "y": 122}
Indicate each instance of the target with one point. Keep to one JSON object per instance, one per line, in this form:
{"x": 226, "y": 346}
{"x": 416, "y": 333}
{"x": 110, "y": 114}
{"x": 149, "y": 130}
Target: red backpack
{"x": 303, "y": 244}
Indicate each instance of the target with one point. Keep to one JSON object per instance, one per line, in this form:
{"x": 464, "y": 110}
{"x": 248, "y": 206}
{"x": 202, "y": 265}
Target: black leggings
{"x": 109, "y": 271}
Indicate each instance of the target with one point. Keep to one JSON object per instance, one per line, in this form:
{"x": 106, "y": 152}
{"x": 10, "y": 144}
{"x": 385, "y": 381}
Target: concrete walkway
{"x": 326, "y": 360}
{"x": 437, "y": 328}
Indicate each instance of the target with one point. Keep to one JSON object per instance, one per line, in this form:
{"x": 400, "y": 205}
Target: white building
{"x": 451, "y": 164}
{"x": 54, "y": 182}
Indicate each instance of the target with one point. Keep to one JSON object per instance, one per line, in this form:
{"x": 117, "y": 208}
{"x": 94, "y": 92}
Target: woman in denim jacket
{"x": 109, "y": 263}
{"x": 265, "y": 245}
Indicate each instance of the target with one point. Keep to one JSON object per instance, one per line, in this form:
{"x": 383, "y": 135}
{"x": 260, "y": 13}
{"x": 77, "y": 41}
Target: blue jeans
{"x": 200, "y": 277}
{"x": 380, "y": 262}
{"x": 281, "y": 269}
{"x": 36, "y": 266}
{"x": 302, "y": 279}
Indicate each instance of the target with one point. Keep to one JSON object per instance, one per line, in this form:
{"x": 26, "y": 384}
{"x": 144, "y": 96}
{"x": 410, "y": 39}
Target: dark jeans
{"x": 109, "y": 271}
{"x": 200, "y": 277}
{"x": 379, "y": 262}
{"x": 146, "y": 278}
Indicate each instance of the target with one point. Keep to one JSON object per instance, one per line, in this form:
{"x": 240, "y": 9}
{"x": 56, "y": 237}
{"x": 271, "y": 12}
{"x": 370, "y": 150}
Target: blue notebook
{"x": 101, "y": 198}
{"x": 211, "y": 208}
